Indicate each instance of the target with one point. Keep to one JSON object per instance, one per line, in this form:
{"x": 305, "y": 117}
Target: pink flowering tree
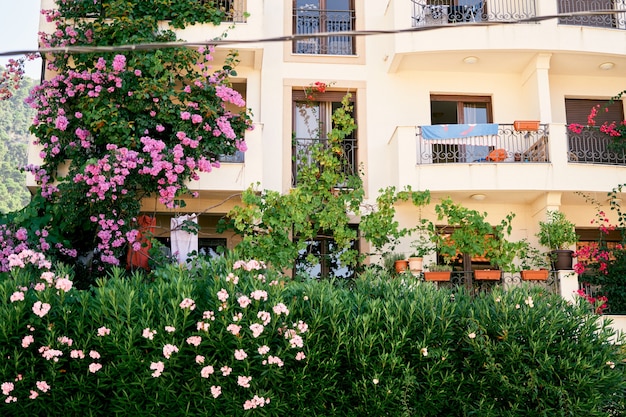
{"x": 119, "y": 127}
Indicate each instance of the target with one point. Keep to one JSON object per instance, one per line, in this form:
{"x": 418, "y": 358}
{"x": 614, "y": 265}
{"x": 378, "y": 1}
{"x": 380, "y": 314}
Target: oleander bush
{"x": 229, "y": 338}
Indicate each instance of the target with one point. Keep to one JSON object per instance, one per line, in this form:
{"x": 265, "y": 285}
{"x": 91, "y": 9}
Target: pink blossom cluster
{"x": 255, "y": 402}
{"x": 599, "y": 304}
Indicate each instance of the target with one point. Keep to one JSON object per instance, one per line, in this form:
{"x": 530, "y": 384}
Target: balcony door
{"x": 315, "y": 16}
{"x": 451, "y": 109}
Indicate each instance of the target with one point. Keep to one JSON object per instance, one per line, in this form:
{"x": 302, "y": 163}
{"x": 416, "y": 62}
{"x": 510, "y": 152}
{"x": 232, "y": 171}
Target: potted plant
{"x": 438, "y": 272}
{"x": 556, "y": 234}
{"x": 533, "y": 263}
{"x": 395, "y": 263}
{"x": 422, "y": 246}
{"x": 471, "y": 234}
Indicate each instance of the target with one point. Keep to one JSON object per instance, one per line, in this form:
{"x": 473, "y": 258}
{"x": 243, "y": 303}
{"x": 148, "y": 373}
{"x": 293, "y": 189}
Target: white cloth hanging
{"x": 182, "y": 241}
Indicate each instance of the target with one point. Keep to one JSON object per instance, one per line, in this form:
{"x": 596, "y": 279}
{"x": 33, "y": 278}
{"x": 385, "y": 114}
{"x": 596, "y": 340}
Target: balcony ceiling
{"x": 561, "y": 63}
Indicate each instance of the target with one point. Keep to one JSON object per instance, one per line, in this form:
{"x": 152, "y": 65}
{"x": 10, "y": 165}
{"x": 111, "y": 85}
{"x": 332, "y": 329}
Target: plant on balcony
{"x": 468, "y": 232}
{"x": 556, "y": 234}
{"x": 533, "y": 262}
{"x": 603, "y": 264}
{"x": 118, "y": 127}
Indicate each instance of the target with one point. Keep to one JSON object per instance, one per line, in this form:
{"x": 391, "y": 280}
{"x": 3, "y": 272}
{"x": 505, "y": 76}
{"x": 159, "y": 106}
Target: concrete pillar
{"x": 568, "y": 285}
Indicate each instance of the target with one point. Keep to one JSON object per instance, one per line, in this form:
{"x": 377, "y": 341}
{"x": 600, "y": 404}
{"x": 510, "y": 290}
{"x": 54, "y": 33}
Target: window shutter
{"x": 577, "y": 111}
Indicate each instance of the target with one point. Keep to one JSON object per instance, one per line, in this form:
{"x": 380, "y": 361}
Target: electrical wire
{"x": 288, "y": 38}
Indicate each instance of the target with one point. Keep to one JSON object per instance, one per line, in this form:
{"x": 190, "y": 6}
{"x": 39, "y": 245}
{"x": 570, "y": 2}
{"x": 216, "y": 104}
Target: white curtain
{"x": 183, "y": 242}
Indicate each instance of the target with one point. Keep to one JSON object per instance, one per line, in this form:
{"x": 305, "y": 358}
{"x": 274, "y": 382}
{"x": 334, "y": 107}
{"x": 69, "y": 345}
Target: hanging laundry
{"x": 139, "y": 258}
{"x": 183, "y": 242}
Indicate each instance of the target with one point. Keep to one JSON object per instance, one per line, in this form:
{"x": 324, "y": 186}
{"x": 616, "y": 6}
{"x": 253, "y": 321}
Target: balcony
{"x": 309, "y": 21}
{"x": 443, "y": 12}
{"x": 592, "y": 147}
{"x": 508, "y": 145}
{"x": 302, "y": 151}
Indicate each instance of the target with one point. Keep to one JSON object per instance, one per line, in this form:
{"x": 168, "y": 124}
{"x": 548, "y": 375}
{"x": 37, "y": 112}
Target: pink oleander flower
{"x": 103, "y": 331}
{"x": 206, "y": 371}
{"x": 94, "y": 355}
{"x": 157, "y": 367}
{"x": 199, "y": 359}
{"x": 94, "y": 367}
{"x": 64, "y": 284}
{"x": 232, "y": 277}
{"x": 17, "y": 296}
{"x": 259, "y": 295}
{"x": 243, "y": 301}
{"x": 7, "y": 387}
{"x": 168, "y": 349}
{"x": 255, "y": 402}
{"x": 240, "y": 354}
{"x": 265, "y": 317}
{"x": 188, "y": 303}
{"x": 33, "y": 394}
{"x": 234, "y": 329}
{"x": 27, "y": 340}
{"x": 64, "y": 340}
{"x": 222, "y": 295}
{"x": 202, "y": 326}
{"x": 148, "y": 334}
{"x": 300, "y": 356}
{"x": 280, "y": 308}
{"x": 40, "y": 286}
{"x": 263, "y": 350}
{"x": 41, "y": 309}
{"x": 194, "y": 340}
{"x": 216, "y": 391}
{"x": 170, "y": 329}
{"x": 226, "y": 370}
{"x": 244, "y": 381}
{"x": 77, "y": 354}
{"x": 42, "y": 386}
{"x": 257, "y": 329}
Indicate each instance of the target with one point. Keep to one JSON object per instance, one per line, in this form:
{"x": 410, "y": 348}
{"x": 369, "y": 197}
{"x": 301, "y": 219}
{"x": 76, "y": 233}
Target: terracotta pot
{"x": 437, "y": 276}
{"x": 401, "y": 265}
{"x": 528, "y": 125}
{"x": 416, "y": 264}
{"x": 535, "y": 275}
{"x": 488, "y": 274}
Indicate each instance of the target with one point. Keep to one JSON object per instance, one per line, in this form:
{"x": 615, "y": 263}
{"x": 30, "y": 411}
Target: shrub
{"x": 373, "y": 346}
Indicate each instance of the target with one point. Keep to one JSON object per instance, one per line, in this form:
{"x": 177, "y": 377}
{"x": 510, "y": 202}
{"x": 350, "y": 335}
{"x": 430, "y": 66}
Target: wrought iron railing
{"x": 607, "y": 20}
{"x": 443, "y": 12}
{"x": 309, "y": 21}
{"x": 302, "y": 154}
{"x": 593, "y": 147}
{"x": 509, "y": 145}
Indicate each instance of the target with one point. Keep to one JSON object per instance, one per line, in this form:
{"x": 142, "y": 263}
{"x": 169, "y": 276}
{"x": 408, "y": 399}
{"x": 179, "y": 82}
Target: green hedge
{"x": 375, "y": 347}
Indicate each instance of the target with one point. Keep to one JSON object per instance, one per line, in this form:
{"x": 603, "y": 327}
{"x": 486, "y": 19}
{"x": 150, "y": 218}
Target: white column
{"x": 568, "y": 284}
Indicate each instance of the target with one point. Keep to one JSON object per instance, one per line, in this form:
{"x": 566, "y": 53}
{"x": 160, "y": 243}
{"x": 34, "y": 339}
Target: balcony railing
{"x": 302, "y": 154}
{"x": 443, "y": 12}
{"x": 509, "y": 145}
{"x": 309, "y": 21}
{"x": 609, "y": 20}
{"x": 592, "y": 147}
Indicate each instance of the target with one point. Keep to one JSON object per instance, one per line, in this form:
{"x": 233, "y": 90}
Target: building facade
{"x": 468, "y": 99}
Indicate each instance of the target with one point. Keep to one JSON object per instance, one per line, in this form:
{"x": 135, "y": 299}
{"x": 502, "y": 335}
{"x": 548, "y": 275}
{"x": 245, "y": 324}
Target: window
{"x": 316, "y": 16}
{"x": 592, "y": 146}
{"x": 312, "y": 122}
{"x": 328, "y": 265}
{"x": 459, "y": 110}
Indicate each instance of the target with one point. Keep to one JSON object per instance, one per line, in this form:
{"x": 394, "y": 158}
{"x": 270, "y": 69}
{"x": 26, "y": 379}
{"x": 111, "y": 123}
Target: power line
{"x": 288, "y": 38}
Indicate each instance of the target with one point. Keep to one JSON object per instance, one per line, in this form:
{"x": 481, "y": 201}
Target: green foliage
{"x": 471, "y": 234}
{"x": 15, "y": 119}
{"x": 557, "y": 232}
{"x": 374, "y": 347}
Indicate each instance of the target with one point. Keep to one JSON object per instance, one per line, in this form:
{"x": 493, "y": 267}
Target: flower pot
{"x": 416, "y": 264}
{"x": 488, "y": 274}
{"x": 401, "y": 265}
{"x": 527, "y": 125}
{"x": 437, "y": 276}
{"x": 535, "y": 275}
{"x": 562, "y": 259}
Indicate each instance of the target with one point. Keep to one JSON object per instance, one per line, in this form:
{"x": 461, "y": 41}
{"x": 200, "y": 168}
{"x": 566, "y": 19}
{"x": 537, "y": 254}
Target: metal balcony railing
{"x": 311, "y": 21}
{"x": 443, "y": 12}
{"x": 593, "y": 147}
{"x": 608, "y": 20}
{"x": 509, "y": 145}
{"x": 302, "y": 154}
